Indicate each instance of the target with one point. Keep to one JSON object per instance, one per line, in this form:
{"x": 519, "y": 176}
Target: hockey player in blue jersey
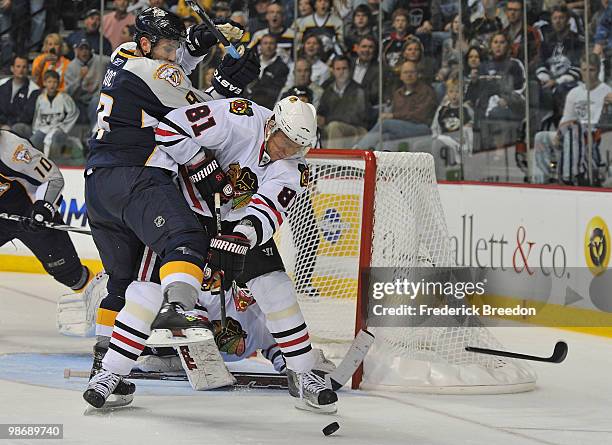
{"x": 31, "y": 185}
{"x": 131, "y": 198}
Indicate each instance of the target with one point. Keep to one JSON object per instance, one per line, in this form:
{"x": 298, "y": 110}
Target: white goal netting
{"x": 322, "y": 244}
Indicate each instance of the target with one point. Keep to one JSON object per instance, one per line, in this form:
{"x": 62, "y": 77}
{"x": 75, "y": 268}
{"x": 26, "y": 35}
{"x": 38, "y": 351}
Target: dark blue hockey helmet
{"x": 156, "y": 24}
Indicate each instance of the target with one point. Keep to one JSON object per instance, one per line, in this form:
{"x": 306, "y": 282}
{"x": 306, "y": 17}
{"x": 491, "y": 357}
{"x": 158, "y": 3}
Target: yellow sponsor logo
{"x": 597, "y": 245}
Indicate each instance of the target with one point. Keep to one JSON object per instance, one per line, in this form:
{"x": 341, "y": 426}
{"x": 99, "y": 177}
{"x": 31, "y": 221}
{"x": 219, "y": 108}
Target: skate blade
{"x": 166, "y": 337}
{"x": 113, "y": 403}
{"x": 305, "y": 405}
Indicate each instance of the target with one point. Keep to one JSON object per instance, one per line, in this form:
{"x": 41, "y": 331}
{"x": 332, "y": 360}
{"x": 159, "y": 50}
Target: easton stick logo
{"x": 597, "y": 245}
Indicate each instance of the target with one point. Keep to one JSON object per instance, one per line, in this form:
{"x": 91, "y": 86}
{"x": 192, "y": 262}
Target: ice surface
{"x": 571, "y": 405}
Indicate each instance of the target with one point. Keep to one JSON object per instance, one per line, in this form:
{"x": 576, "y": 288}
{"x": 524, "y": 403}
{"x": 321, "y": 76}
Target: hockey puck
{"x": 331, "y": 428}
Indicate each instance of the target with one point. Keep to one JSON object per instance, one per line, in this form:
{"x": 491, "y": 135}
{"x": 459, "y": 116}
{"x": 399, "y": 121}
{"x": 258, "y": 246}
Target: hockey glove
{"x": 233, "y": 75}
{"x": 227, "y": 253}
{"x": 42, "y": 211}
{"x": 208, "y": 177}
{"x": 200, "y": 39}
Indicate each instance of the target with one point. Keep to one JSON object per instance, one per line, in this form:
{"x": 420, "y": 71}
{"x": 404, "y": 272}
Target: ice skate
{"x": 173, "y": 327}
{"x": 310, "y": 392}
{"x": 101, "y": 386}
{"x": 123, "y": 392}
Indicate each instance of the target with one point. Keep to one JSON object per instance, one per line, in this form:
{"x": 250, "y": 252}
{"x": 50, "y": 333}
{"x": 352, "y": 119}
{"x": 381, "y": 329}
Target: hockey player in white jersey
{"x": 263, "y": 155}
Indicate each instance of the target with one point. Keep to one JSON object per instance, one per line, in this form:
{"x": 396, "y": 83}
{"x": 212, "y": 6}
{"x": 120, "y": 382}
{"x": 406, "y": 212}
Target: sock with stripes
{"x": 274, "y": 354}
{"x": 107, "y": 313}
{"x": 132, "y": 327}
{"x": 276, "y": 298}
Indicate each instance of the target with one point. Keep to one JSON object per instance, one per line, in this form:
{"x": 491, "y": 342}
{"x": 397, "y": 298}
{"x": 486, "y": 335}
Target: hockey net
{"x": 377, "y": 209}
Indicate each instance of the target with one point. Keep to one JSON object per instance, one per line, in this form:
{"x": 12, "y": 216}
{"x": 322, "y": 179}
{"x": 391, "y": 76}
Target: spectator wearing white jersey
{"x": 54, "y": 116}
{"x": 583, "y": 106}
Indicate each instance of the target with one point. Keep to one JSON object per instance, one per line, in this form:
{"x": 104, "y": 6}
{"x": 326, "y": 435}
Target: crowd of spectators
{"x": 460, "y": 77}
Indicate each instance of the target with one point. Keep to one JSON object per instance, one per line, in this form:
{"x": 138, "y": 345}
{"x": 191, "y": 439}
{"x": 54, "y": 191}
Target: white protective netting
{"x": 320, "y": 245}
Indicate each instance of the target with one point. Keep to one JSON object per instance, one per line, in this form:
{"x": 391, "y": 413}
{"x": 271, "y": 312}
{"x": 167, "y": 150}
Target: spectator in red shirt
{"x": 114, "y": 22}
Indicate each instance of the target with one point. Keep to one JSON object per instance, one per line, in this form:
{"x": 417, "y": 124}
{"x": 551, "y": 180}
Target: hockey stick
{"x": 193, "y": 4}
{"x": 221, "y": 289}
{"x": 47, "y": 224}
{"x": 243, "y": 379}
{"x": 558, "y": 355}
{"x": 351, "y": 361}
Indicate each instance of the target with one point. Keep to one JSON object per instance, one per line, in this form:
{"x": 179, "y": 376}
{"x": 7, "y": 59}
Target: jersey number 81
{"x": 197, "y": 114}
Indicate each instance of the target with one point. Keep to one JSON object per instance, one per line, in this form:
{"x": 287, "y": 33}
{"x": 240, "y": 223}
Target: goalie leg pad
{"x": 204, "y": 365}
{"x": 76, "y": 313}
{"x": 156, "y": 363}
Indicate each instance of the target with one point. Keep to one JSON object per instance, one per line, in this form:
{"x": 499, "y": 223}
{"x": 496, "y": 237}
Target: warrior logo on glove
{"x": 221, "y": 244}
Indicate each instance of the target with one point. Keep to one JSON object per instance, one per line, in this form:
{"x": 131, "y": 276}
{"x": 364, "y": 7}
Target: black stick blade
{"x": 559, "y": 353}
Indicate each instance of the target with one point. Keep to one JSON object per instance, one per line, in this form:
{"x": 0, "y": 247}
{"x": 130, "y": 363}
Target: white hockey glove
{"x": 232, "y": 31}
{"x": 200, "y": 39}
{"x": 76, "y": 313}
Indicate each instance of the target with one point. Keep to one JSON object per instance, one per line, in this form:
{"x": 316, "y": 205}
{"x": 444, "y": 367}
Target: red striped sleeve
{"x": 279, "y": 217}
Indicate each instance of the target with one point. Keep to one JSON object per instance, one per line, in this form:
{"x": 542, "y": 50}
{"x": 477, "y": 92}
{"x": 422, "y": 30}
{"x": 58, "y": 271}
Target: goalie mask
{"x": 297, "y": 121}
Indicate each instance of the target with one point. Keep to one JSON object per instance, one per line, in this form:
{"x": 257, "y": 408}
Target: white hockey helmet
{"x": 297, "y": 120}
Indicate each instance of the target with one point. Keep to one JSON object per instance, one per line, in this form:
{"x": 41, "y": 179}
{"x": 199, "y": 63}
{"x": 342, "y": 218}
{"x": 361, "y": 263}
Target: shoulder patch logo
{"x": 4, "y": 187}
{"x": 22, "y": 154}
{"x": 170, "y": 73}
{"x": 241, "y": 107}
{"x": 304, "y": 175}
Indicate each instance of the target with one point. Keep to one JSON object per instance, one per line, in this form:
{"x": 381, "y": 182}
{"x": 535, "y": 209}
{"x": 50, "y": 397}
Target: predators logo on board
{"x": 597, "y": 245}
{"x": 241, "y": 107}
{"x": 170, "y": 73}
{"x": 245, "y": 184}
{"x": 304, "y": 174}
{"x": 4, "y": 187}
{"x": 22, "y": 154}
